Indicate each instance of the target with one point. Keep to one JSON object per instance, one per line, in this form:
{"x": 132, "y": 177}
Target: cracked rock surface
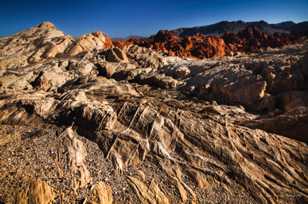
{"x": 82, "y": 121}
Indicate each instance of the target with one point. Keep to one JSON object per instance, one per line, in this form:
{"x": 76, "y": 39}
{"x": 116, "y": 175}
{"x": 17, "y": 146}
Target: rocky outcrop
{"x": 144, "y": 57}
{"x": 128, "y": 125}
{"x": 133, "y": 135}
{"x": 101, "y": 193}
{"x": 291, "y": 123}
{"x": 32, "y": 45}
{"x": 250, "y": 39}
{"x": 37, "y": 192}
{"x": 45, "y": 41}
{"x": 197, "y": 46}
{"x": 230, "y": 85}
{"x": 114, "y": 55}
{"x": 157, "y": 80}
{"x": 89, "y": 42}
{"x": 237, "y": 26}
{"x": 76, "y": 160}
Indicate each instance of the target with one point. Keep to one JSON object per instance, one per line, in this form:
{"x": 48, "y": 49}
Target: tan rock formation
{"x": 37, "y": 192}
{"x": 101, "y": 193}
{"x": 89, "y": 42}
{"x": 100, "y": 128}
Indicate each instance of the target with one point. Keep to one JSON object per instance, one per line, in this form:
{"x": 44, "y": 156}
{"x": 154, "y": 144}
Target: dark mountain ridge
{"x": 236, "y": 26}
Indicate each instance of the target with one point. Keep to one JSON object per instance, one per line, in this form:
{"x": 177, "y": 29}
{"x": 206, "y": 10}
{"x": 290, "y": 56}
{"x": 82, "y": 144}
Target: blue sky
{"x": 120, "y": 18}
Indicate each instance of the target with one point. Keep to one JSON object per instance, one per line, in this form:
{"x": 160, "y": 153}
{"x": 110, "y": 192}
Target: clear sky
{"x": 120, "y": 18}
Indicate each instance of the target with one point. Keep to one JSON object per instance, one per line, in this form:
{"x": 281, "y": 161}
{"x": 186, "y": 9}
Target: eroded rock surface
{"x": 197, "y": 45}
{"x": 36, "y": 192}
{"x": 127, "y": 125}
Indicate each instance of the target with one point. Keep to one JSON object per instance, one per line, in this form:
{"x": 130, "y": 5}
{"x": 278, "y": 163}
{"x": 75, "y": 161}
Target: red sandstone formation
{"x": 252, "y": 39}
{"x": 196, "y": 46}
{"x": 201, "y": 46}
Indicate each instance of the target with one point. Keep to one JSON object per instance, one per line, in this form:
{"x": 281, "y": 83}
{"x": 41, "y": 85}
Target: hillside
{"x": 236, "y": 26}
{"x": 85, "y": 121}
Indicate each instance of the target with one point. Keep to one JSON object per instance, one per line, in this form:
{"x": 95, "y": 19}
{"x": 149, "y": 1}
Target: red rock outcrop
{"x": 196, "y": 46}
{"x": 252, "y": 39}
{"x": 201, "y": 46}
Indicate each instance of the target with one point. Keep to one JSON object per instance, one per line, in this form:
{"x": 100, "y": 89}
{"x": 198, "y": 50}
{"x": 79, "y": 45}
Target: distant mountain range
{"x": 237, "y": 26}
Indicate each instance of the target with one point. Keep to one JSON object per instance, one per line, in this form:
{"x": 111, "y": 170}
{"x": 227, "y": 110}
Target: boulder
{"x": 114, "y": 55}
{"x": 231, "y": 85}
{"x": 158, "y": 81}
{"x": 36, "y": 192}
{"x": 144, "y": 57}
{"x": 101, "y": 193}
{"x": 178, "y": 72}
{"x": 53, "y": 76}
{"x": 108, "y": 69}
{"x": 58, "y": 47}
{"x": 89, "y": 42}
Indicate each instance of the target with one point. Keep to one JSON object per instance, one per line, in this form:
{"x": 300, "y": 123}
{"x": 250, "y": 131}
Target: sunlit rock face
{"x": 200, "y": 46}
{"x": 169, "y": 43}
{"x": 89, "y": 42}
{"x": 86, "y": 120}
{"x": 45, "y": 41}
